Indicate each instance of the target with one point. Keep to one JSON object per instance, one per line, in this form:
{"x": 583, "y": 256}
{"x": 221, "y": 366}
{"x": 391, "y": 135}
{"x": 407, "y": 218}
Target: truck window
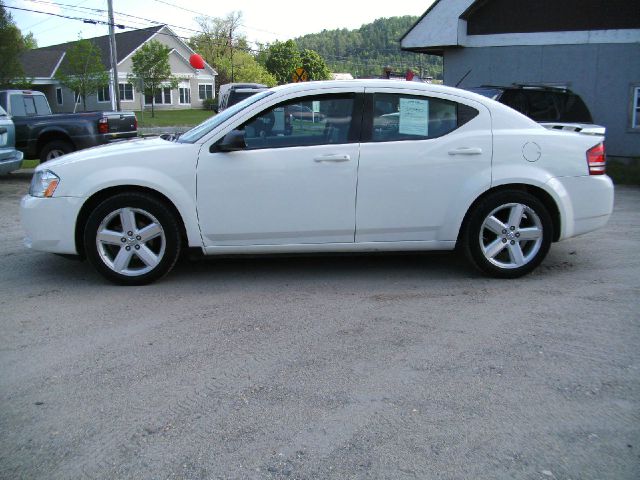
{"x": 17, "y": 106}
{"x": 42, "y": 106}
{"x": 29, "y": 106}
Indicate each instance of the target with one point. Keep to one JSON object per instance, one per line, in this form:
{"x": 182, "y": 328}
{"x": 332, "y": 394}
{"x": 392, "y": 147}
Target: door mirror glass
{"x": 232, "y": 142}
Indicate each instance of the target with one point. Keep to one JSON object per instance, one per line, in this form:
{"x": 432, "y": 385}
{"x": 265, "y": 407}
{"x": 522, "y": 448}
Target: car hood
{"x": 134, "y": 149}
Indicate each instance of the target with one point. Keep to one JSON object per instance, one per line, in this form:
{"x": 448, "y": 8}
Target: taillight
{"x": 103, "y": 125}
{"x": 597, "y": 160}
{"x": 135, "y": 122}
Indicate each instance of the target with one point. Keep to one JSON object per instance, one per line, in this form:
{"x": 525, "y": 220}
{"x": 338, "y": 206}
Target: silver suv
{"x": 10, "y": 158}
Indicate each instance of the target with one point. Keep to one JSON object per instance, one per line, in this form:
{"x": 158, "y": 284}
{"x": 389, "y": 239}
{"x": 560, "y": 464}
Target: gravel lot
{"x": 397, "y": 366}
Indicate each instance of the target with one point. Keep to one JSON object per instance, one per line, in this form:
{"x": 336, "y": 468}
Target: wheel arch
{"x": 50, "y": 136}
{"x": 98, "y": 197}
{"x": 541, "y": 194}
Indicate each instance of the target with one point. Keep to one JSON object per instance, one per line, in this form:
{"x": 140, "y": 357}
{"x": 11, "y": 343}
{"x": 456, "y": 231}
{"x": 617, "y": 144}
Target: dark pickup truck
{"x": 41, "y": 134}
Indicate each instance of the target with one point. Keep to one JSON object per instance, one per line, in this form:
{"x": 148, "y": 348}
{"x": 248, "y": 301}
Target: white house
{"x": 41, "y": 64}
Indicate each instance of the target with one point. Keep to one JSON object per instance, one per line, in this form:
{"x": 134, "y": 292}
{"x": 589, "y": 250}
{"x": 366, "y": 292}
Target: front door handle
{"x": 466, "y": 151}
{"x": 332, "y": 158}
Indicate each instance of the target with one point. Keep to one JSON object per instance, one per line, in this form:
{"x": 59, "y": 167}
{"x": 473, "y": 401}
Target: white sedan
{"x": 377, "y": 166}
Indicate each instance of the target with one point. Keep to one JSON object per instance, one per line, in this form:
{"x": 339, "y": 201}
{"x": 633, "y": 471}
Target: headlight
{"x": 43, "y": 183}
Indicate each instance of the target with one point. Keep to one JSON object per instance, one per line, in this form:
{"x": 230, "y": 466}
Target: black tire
{"x": 55, "y": 149}
{"x": 130, "y": 258}
{"x": 517, "y": 254}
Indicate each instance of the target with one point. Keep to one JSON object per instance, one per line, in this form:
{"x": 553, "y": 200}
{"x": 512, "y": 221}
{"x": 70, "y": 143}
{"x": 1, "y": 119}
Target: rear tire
{"x": 55, "y": 149}
{"x": 132, "y": 239}
{"x": 508, "y": 234}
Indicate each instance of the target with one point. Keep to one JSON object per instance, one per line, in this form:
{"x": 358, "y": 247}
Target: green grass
{"x": 30, "y": 163}
{"x": 173, "y": 118}
{"x": 622, "y": 174}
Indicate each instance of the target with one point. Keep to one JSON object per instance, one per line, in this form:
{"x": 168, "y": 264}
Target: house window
{"x": 205, "y": 90}
{"x": 635, "y": 113}
{"x": 162, "y": 97}
{"x": 126, "y": 92}
{"x": 59, "y": 97}
{"x": 185, "y": 95}
{"x": 104, "y": 95}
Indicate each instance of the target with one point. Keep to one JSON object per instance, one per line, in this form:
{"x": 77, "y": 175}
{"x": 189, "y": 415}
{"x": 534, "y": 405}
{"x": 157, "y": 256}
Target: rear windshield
{"x": 548, "y": 106}
{"x": 491, "y": 93}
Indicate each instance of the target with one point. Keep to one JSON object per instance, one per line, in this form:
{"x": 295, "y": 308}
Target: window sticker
{"x": 414, "y": 116}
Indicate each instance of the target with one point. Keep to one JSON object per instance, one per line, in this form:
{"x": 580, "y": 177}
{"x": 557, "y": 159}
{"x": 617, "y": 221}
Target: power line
{"x": 85, "y": 20}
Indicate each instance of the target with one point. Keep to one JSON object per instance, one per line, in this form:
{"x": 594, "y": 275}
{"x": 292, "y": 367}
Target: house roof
{"x": 42, "y": 62}
{"x": 483, "y": 23}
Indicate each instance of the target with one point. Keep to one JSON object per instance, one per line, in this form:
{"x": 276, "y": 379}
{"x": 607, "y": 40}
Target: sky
{"x": 263, "y": 21}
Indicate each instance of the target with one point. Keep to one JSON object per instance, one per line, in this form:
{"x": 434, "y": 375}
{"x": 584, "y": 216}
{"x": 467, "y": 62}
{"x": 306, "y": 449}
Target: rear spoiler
{"x": 583, "y": 128}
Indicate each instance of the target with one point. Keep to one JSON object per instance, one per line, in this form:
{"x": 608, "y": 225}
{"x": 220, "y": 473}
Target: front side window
{"x": 399, "y": 117}
{"x": 205, "y": 90}
{"x": 635, "y": 113}
{"x": 303, "y": 122}
{"x": 104, "y": 95}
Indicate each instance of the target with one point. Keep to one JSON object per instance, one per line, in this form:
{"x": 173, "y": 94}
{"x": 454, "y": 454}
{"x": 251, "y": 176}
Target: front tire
{"x": 132, "y": 239}
{"x": 508, "y": 234}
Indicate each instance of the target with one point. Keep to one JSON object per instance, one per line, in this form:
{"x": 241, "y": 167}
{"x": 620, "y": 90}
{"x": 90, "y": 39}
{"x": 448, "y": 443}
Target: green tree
{"x": 82, "y": 70}
{"x": 282, "y": 60}
{"x": 150, "y": 67}
{"x": 314, "y": 65}
{"x": 12, "y": 44}
{"x": 222, "y": 45}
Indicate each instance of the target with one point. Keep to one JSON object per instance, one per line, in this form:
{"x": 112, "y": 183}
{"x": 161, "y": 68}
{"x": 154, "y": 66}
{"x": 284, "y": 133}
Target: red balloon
{"x": 196, "y": 61}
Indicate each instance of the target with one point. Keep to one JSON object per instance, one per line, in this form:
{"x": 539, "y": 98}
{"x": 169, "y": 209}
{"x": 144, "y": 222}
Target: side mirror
{"x": 232, "y": 142}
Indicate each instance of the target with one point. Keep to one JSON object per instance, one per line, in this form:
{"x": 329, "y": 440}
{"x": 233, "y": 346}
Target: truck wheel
{"x": 55, "y": 149}
{"x": 132, "y": 239}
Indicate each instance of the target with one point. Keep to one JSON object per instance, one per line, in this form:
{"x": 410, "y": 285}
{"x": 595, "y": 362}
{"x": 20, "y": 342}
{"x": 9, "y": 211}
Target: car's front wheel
{"x": 508, "y": 234}
{"x": 132, "y": 239}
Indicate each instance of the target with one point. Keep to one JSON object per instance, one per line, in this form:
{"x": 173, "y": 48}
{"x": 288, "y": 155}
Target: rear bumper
{"x": 10, "y": 161}
{"x": 586, "y": 203}
{"x": 50, "y": 223}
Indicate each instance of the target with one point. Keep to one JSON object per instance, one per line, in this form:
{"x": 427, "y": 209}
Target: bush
{"x": 210, "y": 104}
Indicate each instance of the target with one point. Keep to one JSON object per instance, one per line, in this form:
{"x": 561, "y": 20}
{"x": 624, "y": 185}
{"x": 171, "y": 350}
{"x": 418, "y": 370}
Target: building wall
{"x": 602, "y": 74}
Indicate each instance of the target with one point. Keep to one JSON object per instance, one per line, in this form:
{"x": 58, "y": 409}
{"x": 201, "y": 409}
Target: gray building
{"x": 589, "y": 46}
{"x": 194, "y": 86}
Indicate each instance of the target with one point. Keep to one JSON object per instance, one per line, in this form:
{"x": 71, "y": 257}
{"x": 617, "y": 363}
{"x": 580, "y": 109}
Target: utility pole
{"x": 114, "y": 59}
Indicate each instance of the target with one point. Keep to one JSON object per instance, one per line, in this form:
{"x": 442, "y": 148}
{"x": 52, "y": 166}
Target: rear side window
{"x": 42, "y": 106}
{"x": 574, "y": 110}
{"x": 399, "y": 117}
{"x": 29, "y": 105}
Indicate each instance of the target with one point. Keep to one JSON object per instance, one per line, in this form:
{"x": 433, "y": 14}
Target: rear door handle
{"x": 466, "y": 151}
{"x": 332, "y": 158}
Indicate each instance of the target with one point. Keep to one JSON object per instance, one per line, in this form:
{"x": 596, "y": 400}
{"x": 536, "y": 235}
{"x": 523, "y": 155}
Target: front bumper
{"x": 50, "y": 223}
{"x": 10, "y": 162}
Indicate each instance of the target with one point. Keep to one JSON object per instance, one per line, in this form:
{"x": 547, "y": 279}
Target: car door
{"x": 294, "y": 182}
{"x": 424, "y": 157}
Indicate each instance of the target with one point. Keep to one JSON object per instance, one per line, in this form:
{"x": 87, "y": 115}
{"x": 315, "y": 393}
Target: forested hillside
{"x": 364, "y": 52}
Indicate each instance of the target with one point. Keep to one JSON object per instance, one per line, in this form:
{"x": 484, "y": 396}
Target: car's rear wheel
{"x": 55, "y": 149}
{"x": 508, "y": 234}
{"x": 132, "y": 239}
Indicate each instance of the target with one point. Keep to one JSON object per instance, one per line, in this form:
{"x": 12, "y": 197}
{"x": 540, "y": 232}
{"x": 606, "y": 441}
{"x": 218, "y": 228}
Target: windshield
{"x": 2, "y": 112}
{"x": 199, "y": 131}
